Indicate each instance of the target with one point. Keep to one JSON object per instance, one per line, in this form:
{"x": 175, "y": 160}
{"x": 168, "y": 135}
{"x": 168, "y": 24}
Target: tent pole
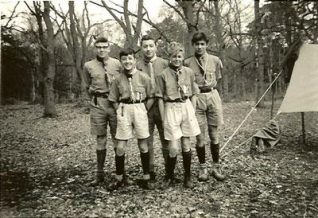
{"x": 303, "y": 127}
{"x": 273, "y": 98}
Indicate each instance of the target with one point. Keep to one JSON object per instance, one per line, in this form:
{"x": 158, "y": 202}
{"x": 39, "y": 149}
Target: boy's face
{"x": 102, "y": 49}
{"x": 177, "y": 58}
{"x": 149, "y": 48}
{"x": 128, "y": 62}
{"x": 200, "y": 47}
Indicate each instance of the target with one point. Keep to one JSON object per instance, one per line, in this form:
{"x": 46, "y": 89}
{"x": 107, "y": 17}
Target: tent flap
{"x": 302, "y": 92}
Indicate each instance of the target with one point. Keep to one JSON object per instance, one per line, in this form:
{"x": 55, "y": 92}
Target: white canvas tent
{"x": 302, "y": 92}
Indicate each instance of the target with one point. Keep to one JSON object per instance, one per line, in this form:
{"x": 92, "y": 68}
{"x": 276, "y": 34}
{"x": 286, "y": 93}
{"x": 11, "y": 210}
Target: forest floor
{"x": 47, "y": 166}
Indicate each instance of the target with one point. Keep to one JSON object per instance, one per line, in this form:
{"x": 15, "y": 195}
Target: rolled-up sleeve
{"x": 86, "y": 77}
{"x": 219, "y": 68}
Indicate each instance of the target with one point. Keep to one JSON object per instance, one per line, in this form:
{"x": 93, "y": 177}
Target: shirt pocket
{"x": 140, "y": 93}
{"x": 210, "y": 76}
{"x": 186, "y": 88}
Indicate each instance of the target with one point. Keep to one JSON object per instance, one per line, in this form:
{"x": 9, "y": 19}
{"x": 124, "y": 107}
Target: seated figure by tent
{"x": 265, "y": 138}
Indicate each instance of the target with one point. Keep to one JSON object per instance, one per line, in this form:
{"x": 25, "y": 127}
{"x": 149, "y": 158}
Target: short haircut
{"x": 126, "y": 52}
{"x": 146, "y": 37}
{"x": 198, "y": 36}
{"x": 101, "y": 39}
{"x": 175, "y": 47}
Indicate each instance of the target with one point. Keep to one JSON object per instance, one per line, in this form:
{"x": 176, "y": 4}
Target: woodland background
{"x": 46, "y": 165}
{"x": 44, "y": 46}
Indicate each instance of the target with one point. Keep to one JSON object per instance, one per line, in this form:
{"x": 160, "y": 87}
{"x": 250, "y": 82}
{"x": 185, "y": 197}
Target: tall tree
{"x": 259, "y": 54}
{"x": 47, "y": 57}
{"x": 77, "y": 35}
{"x": 49, "y": 73}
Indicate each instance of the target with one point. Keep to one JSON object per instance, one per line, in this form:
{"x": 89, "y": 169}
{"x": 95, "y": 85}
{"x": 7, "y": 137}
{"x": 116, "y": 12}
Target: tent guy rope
{"x": 249, "y": 113}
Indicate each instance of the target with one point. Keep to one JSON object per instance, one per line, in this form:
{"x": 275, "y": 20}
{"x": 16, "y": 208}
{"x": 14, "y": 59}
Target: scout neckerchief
{"x": 202, "y": 68}
{"x": 177, "y": 72}
{"x": 151, "y": 71}
{"x": 109, "y": 76}
{"x": 132, "y": 93}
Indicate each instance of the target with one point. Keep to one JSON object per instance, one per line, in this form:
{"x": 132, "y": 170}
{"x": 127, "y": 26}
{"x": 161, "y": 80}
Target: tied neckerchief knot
{"x": 131, "y": 89}
{"x": 177, "y": 72}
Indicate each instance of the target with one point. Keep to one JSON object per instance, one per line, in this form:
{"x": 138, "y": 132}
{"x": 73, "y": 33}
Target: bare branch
{"x": 30, "y": 9}
{"x": 155, "y": 26}
{"x": 176, "y": 10}
{"x": 139, "y": 20}
{"x": 110, "y": 10}
{"x": 12, "y": 14}
{"x": 198, "y": 12}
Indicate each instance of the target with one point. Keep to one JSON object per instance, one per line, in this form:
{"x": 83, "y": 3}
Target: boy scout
{"x": 207, "y": 69}
{"x": 175, "y": 88}
{"x": 98, "y": 76}
{"x": 129, "y": 94}
{"x": 153, "y": 65}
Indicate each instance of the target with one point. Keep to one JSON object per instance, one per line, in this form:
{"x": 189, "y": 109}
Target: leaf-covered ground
{"x": 47, "y": 166}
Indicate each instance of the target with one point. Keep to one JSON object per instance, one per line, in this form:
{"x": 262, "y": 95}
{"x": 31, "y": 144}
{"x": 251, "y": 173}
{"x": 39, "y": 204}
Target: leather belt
{"x": 205, "y": 89}
{"x": 128, "y": 101}
{"x": 99, "y": 95}
{"x": 178, "y": 100}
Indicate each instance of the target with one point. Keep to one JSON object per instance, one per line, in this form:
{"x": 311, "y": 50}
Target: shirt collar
{"x": 131, "y": 74}
{"x": 151, "y": 60}
{"x": 202, "y": 57}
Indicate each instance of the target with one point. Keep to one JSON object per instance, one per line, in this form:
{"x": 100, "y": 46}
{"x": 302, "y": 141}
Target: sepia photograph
{"x": 159, "y": 108}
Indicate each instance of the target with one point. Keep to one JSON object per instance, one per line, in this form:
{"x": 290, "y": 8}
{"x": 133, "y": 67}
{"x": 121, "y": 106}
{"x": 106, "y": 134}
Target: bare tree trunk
{"x": 260, "y": 56}
{"x": 187, "y": 8}
{"x": 235, "y": 84}
{"x": 77, "y": 56}
{"x": 49, "y": 101}
{"x": 220, "y": 43}
{"x": 0, "y": 79}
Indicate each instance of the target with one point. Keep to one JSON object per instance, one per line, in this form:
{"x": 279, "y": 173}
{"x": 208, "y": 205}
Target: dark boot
{"x": 101, "y": 156}
{"x": 187, "y": 183}
{"x": 145, "y": 168}
{"x": 203, "y": 172}
{"x": 215, "y": 151}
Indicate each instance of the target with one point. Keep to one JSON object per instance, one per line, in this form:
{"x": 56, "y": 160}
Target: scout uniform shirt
{"x": 135, "y": 89}
{"x": 153, "y": 68}
{"x": 207, "y": 70}
{"x": 98, "y": 75}
{"x": 173, "y": 85}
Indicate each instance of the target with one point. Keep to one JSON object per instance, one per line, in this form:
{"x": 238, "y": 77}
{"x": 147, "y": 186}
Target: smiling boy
{"x": 131, "y": 95}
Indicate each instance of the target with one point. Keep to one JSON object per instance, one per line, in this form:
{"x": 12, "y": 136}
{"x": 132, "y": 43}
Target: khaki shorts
{"x": 180, "y": 121}
{"x": 209, "y": 109}
{"x": 129, "y": 117}
{"x": 102, "y": 114}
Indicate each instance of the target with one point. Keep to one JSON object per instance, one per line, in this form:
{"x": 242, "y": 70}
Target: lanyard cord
{"x": 203, "y": 68}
